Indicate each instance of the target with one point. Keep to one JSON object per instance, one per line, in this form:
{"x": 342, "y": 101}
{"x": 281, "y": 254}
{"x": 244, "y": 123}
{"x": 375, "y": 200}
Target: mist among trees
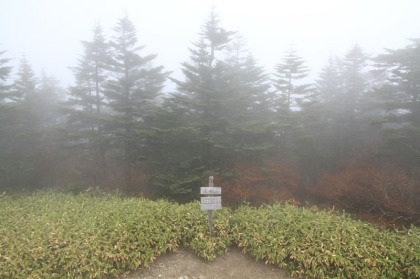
{"x": 349, "y": 138}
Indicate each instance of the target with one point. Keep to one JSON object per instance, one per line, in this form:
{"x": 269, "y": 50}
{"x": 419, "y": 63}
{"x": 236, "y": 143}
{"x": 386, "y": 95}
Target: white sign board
{"x": 211, "y": 203}
{"x": 211, "y": 206}
{"x": 210, "y": 190}
{"x": 210, "y": 200}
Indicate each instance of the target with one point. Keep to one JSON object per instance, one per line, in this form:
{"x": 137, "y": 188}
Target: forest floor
{"x": 184, "y": 264}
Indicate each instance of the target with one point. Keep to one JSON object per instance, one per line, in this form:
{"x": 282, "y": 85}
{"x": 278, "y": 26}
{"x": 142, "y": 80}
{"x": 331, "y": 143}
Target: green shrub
{"x": 325, "y": 244}
{"x": 49, "y": 234}
{"x": 196, "y": 234}
{"x": 59, "y": 235}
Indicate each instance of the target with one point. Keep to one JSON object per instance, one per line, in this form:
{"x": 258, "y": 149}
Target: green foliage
{"x": 4, "y": 75}
{"x": 56, "y": 235}
{"x": 174, "y": 186}
{"x": 325, "y": 244}
{"x": 85, "y": 105}
{"x": 195, "y": 232}
{"x": 217, "y": 116}
{"x": 28, "y": 115}
{"x": 132, "y": 88}
{"x": 289, "y": 72}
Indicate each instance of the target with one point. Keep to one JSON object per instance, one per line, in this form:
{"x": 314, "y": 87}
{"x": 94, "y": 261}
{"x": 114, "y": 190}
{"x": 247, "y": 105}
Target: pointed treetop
{"x": 25, "y": 83}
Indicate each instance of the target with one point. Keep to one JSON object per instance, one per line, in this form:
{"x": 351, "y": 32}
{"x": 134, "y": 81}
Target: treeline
{"x": 351, "y": 138}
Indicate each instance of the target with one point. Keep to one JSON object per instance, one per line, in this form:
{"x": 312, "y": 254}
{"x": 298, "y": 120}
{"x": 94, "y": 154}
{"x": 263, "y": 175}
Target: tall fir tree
{"x": 288, "y": 76}
{"x": 49, "y": 98}
{"x": 29, "y": 115}
{"x": 315, "y": 142}
{"x": 23, "y": 95}
{"x": 132, "y": 91}
{"x": 192, "y": 119}
{"x": 45, "y": 107}
{"x": 86, "y": 102}
{"x": 7, "y": 120}
{"x": 24, "y": 85}
{"x": 329, "y": 84}
{"x": 330, "y": 89}
{"x": 248, "y": 104}
{"x": 344, "y": 87}
{"x": 355, "y": 81}
{"x": 353, "y": 125}
{"x": 401, "y": 70}
{"x": 203, "y": 92}
{"x": 290, "y": 93}
{"x": 400, "y": 100}
{"x": 217, "y": 117}
{"x": 4, "y": 75}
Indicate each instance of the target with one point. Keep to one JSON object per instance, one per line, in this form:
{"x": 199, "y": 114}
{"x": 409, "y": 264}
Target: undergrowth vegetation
{"x": 57, "y": 235}
{"x": 311, "y": 243}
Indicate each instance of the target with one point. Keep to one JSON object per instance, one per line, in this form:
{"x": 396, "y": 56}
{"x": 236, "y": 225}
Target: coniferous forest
{"x": 350, "y": 138}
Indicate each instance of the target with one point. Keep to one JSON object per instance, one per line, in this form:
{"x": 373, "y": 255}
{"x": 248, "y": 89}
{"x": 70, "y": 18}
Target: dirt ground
{"x": 184, "y": 264}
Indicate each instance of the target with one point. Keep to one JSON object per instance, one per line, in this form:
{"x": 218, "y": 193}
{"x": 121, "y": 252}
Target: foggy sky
{"x": 48, "y": 32}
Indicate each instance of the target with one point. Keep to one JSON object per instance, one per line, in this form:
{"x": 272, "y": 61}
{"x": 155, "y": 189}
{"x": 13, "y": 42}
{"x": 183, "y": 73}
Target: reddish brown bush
{"x": 273, "y": 180}
{"x": 385, "y": 190}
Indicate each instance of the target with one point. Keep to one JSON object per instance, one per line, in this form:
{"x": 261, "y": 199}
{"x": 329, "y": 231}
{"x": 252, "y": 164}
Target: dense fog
{"x": 348, "y": 134}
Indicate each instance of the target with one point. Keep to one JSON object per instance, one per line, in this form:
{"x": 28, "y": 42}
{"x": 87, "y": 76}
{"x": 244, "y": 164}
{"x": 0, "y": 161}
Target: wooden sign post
{"x": 210, "y": 202}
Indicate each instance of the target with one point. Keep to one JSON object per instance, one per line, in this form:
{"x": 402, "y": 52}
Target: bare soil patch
{"x": 184, "y": 264}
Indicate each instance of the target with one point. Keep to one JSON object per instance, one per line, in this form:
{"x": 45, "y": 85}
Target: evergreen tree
{"x": 250, "y": 82}
{"x": 86, "y": 101}
{"x": 217, "y": 117}
{"x": 49, "y": 96}
{"x": 204, "y": 92}
{"x": 400, "y": 99}
{"x": 4, "y": 75}
{"x": 132, "y": 90}
{"x": 45, "y": 109}
{"x": 355, "y": 81}
{"x": 290, "y": 93}
{"x": 248, "y": 105}
{"x": 91, "y": 75}
{"x": 23, "y": 95}
{"x": 401, "y": 69}
{"x": 191, "y": 130}
{"x": 326, "y": 132}
{"x": 346, "y": 105}
{"x": 353, "y": 125}
{"x": 339, "y": 123}
{"x": 316, "y": 139}
{"x": 7, "y": 120}
{"x": 289, "y": 72}
{"x": 24, "y": 136}
{"x": 24, "y": 86}
{"x": 330, "y": 84}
